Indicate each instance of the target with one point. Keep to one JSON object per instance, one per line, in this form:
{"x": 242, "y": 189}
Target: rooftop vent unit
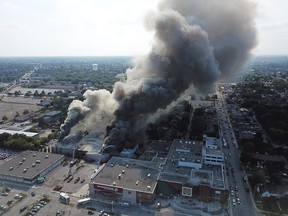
{"x": 137, "y": 182}
{"x": 148, "y": 187}
{"x": 11, "y": 168}
{"x": 20, "y": 162}
{"x": 24, "y": 170}
{"x": 38, "y": 161}
{"x": 123, "y": 171}
{"x": 149, "y": 175}
{"x": 34, "y": 155}
{"x": 127, "y": 165}
{"x": 46, "y": 156}
{"x": 119, "y": 176}
{"x": 114, "y": 183}
{"x": 33, "y": 165}
{"x": 23, "y": 159}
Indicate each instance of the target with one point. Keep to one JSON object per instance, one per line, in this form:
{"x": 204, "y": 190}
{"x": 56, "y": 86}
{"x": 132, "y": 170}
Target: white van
{"x": 125, "y": 204}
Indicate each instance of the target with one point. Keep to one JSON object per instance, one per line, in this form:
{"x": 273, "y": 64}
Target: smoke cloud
{"x": 85, "y": 115}
{"x": 195, "y": 44}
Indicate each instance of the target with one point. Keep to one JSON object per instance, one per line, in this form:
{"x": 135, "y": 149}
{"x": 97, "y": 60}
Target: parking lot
{"x": 79, "y": 178}
{"x": 29, "y": 201}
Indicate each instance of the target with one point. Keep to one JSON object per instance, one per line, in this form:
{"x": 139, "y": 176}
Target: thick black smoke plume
{"x": 195, "y": 44}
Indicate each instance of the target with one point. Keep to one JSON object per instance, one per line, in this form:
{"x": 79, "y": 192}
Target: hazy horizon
{"x": 109, "y": 28}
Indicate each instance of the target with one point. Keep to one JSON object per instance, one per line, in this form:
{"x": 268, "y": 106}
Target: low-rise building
{"x": 123, "y": 179}
{"x": 212, "y": 152}
{"x": 276, "y": 191}
{"x": 187, "y": 172}
{"x": 12, "y": 132}
{"x": 28, "y": 166}
{"x": 52, "y": 116}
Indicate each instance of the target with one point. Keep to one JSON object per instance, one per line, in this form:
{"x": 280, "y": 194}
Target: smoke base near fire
{"x": 195, "y": 44}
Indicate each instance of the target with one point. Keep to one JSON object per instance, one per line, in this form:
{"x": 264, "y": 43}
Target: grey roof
{"x": 52, "y": 113}
{"x": 192, "y": 152}
{"x": 134, "y": 171}
{"x": 34, "y": 162}
{"x": 12, "y": 132}
{"x": 189, "y": 150}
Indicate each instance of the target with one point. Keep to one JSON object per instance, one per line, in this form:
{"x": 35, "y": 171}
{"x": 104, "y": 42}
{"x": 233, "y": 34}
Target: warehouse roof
{"x": 28, "y": 164}
{"x": 128, "y": 173}
{"x": 12, "y": 132}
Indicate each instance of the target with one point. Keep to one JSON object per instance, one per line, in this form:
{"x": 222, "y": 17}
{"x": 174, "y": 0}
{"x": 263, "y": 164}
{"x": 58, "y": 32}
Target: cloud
{"x": 12, "y": 26}
{"x": 9, "y": 6}
{"x": 281, "y": 25}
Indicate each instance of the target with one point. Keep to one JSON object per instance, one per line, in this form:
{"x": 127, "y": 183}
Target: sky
{"x": 108, "y": 27}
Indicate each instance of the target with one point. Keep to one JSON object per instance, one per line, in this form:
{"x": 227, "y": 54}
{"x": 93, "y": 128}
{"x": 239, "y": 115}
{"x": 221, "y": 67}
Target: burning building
{"x": 196, "y": 43}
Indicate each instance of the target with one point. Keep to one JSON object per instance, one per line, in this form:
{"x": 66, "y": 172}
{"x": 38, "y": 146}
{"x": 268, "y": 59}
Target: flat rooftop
{"x": 158, "y": 149}
{"x": 214, "y": 152}
{"x": 32, "y": 161}
{"x": 12, "y": 132}
{"x": 212, "y": 141}
{"x": 212, "y": 173}
{"x": 192, "y": 152}
{"x": 135, "y": 174}
{"x": 186, "y": 150}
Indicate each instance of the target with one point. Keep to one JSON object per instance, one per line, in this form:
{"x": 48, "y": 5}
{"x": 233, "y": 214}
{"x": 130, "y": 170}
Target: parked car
{"x": 18, "y": 196}
{"x": 3, "y": 207}
{"x": 90, "y": 212}
{"x": 70, "y": 179}
{"x": 77, "y": 179}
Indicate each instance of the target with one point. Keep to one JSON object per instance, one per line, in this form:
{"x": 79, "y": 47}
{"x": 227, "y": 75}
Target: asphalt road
{"x": 234, "y": 175}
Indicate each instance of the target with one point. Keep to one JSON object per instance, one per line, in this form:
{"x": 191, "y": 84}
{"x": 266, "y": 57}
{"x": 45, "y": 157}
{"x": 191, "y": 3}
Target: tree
{"x": 36, "y": 93}
{"x": 258, "y": 178}
{"x": 26, "y": 111}
{"x": 28, "y": 94}
{"x": 17, "y": 93}
{"x": 42, "y": 93}
{"x": 249, "y": 147}
{"x": 245, "y": 158}
{"x": 4, "y": 118}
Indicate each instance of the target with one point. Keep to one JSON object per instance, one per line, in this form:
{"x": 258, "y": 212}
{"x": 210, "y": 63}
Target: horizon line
{"x": 130, "y": 56}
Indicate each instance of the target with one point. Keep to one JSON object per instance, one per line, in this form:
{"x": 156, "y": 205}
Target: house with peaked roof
{"x": 276, "y": 191}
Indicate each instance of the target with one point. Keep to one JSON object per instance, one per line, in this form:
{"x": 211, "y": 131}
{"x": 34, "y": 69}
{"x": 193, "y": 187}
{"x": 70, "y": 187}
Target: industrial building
{"x": 188, "y": 171}
{"x": 185, "y": 170}
{"x": 128, "y": 180}
{"x": 212, "y": 151}
{"x": 28, "y": 166}
{"x": 52, "y": 116}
